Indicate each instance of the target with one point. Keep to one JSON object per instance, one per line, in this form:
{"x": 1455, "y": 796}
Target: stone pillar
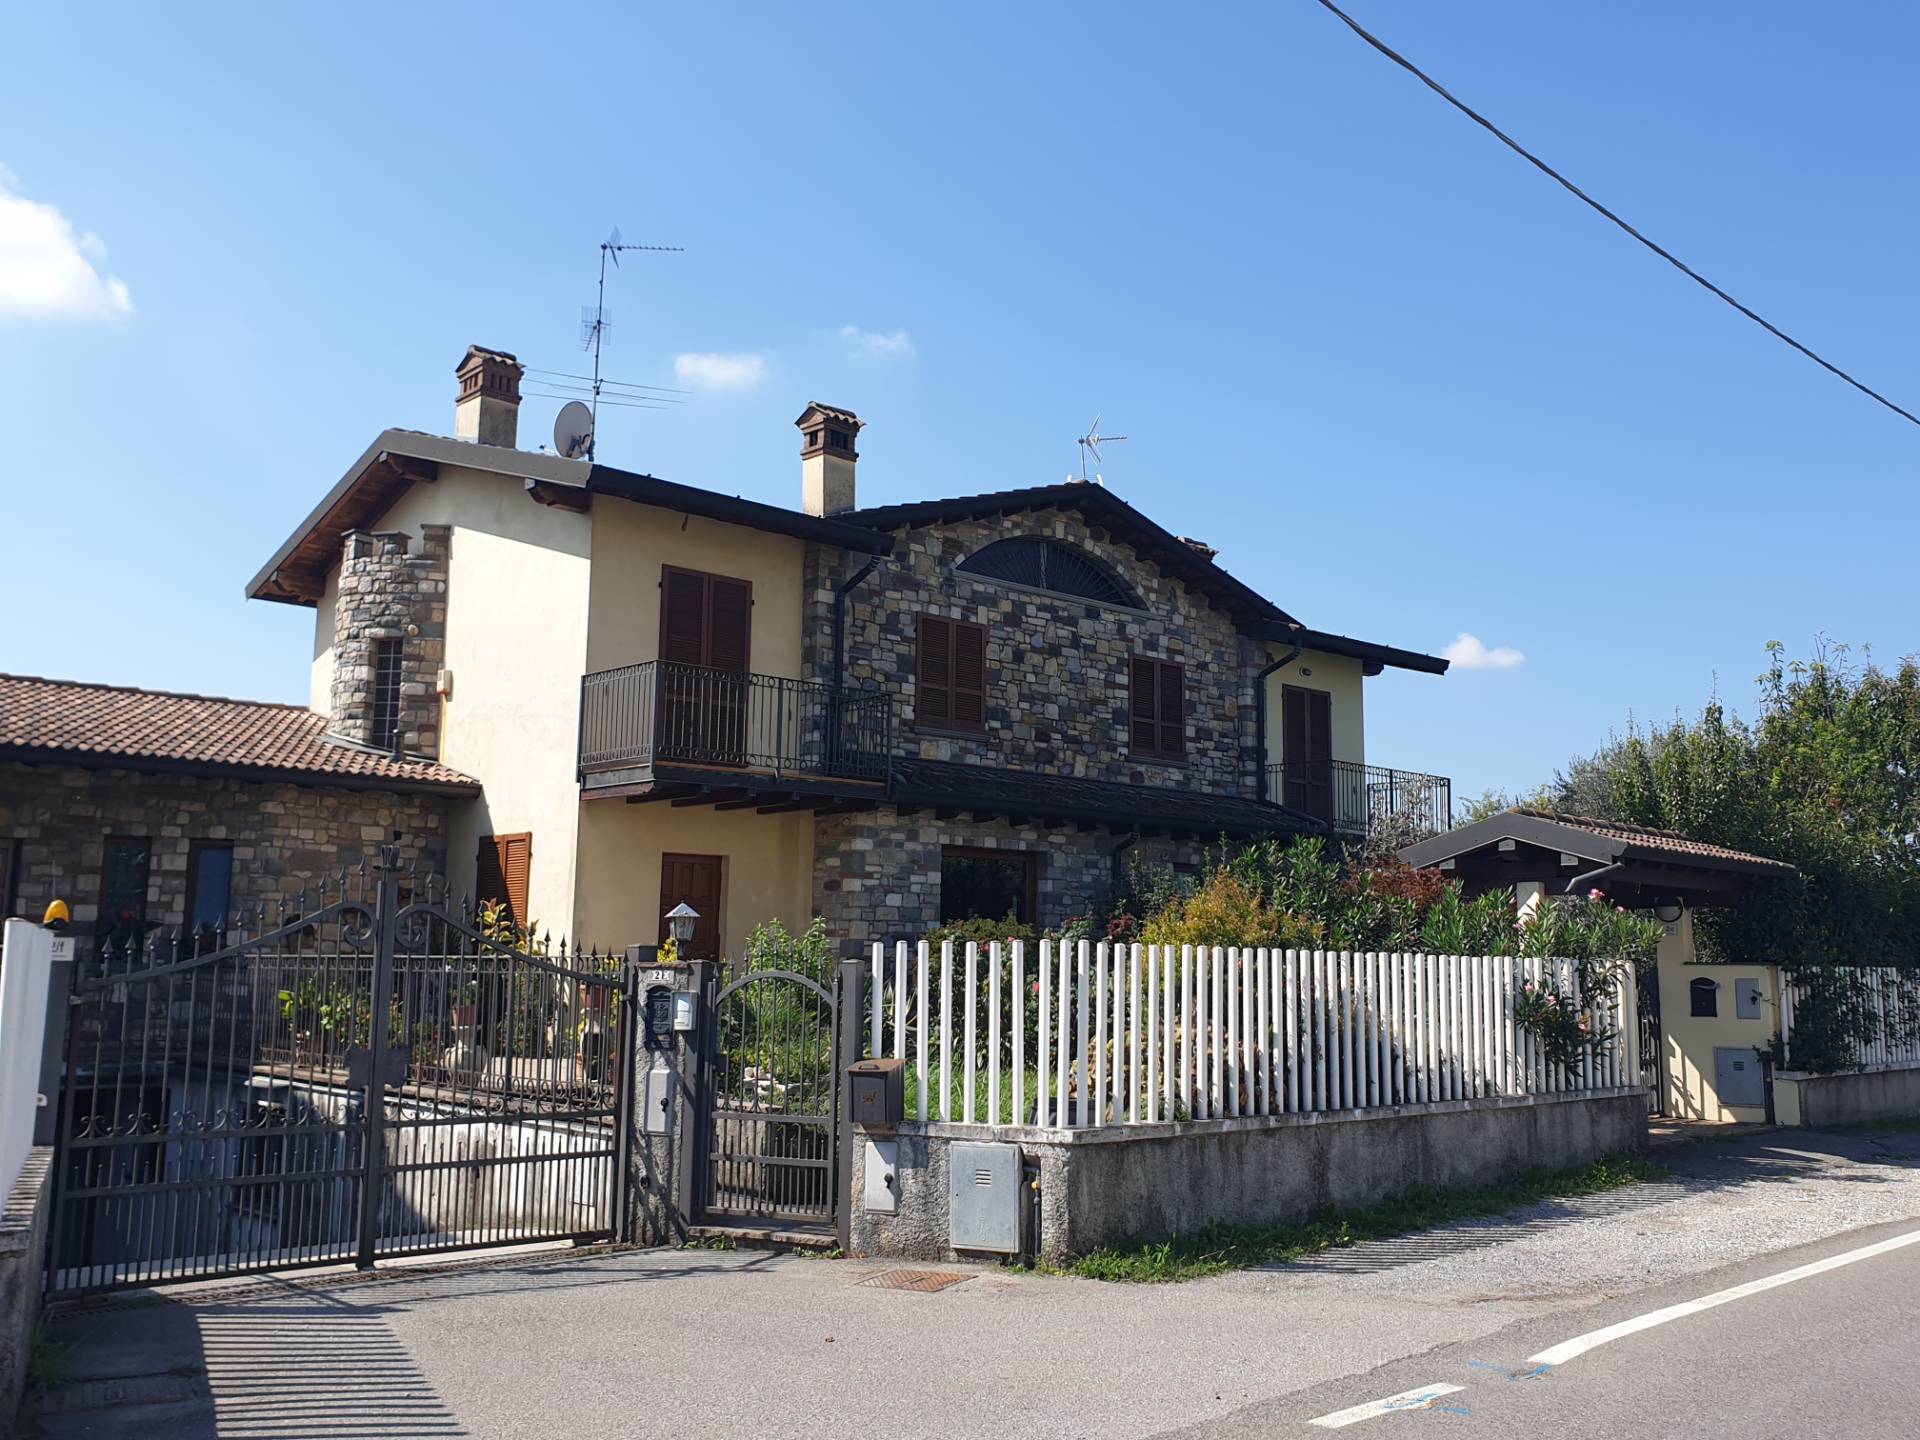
{"x": 387, "y": 593}
{"x": 660, "y": 1184}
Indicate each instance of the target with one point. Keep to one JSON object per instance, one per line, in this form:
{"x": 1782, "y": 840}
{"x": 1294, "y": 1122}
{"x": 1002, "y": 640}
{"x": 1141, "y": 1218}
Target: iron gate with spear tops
{"x": 371, "y": 1077}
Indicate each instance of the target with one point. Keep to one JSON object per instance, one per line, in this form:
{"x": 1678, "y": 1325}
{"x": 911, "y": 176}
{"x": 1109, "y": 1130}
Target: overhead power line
{"x": 1586, "y": 199}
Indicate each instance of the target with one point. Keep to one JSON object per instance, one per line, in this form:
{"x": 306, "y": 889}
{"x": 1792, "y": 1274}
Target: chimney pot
{"x": 486, "y": 407}
{"x": 828, "y": 458}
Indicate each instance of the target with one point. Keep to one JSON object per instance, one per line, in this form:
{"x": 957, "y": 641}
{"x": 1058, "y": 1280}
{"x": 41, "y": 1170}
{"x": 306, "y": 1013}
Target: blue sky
{"x": 1408, "y": 387}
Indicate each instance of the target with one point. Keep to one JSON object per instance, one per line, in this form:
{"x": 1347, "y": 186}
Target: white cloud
{"x": 47, "y": 270}
{"x": 1470, "y": 653}
{"x": 720, "y": 372}
{"x": 878, "y": 345}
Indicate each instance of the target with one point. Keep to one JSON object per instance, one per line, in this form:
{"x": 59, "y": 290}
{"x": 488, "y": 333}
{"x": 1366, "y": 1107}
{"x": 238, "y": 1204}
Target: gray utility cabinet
{"x": 983, "y": 1198}
{"x": 1737, "y": 1076}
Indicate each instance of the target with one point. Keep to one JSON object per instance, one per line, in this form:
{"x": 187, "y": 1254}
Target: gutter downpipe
{"x": 1260, "y": 718}
{"x": 840, "y": 594}
{"x": 1592, "y": 875}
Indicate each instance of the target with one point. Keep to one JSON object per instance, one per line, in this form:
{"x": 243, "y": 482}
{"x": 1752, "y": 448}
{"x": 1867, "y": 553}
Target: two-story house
{"x": 884, "y": 716}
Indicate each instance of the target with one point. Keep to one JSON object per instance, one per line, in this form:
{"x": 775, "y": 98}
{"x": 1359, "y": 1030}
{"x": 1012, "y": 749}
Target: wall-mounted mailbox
{"x": 656, "y": 1018}
{"x": 879, "y": 1099}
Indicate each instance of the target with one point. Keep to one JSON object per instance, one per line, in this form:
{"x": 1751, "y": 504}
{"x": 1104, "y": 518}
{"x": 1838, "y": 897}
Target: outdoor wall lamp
{"x": 1668, "y": 909}
{"x": 680, "y": 923}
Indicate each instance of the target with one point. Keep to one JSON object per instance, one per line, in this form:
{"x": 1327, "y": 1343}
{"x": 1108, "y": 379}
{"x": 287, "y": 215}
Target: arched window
{"x": 1049, "y": 565}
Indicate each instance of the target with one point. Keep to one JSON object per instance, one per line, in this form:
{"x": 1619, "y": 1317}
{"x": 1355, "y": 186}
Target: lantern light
{"x": 1668, "y": 908}
{"x": 680, "y": 922}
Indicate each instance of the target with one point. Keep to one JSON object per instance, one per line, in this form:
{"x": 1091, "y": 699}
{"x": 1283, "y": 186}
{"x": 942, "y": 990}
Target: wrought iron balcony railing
{"x": 1352, "y": 798}
{"x": 653, "y": 714}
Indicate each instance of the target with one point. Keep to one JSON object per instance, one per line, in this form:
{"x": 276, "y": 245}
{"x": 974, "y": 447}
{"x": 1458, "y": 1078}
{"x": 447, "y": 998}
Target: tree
{"x": 1827, "y": 778}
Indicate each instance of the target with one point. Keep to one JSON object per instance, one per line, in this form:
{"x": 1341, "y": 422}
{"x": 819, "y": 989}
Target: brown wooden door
{"x": 693, "y": 880}
{"x": 1306, "y": 750}
{"x": 705, "y": 629}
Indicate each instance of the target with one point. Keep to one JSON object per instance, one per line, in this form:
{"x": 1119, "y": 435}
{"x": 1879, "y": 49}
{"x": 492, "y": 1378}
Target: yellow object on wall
{"x": 1691, "y": 1042}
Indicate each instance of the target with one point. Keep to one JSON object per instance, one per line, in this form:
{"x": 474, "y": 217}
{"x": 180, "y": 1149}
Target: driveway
{"x": 737, "y": 1343}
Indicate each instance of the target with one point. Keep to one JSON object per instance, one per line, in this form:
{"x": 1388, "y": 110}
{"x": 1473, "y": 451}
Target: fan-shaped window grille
{"x": 1049, "y": 565}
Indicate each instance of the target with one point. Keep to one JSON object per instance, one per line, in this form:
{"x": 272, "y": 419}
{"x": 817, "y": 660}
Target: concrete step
{"x": 769, "y": 1236}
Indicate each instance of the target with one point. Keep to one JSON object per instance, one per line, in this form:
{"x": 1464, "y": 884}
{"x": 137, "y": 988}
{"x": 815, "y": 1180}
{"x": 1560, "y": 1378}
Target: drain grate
{"x": 922, "y": 1282}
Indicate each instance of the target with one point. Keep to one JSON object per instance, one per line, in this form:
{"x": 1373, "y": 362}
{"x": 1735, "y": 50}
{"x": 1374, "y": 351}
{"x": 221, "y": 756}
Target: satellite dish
{"x": 573, "y": 430}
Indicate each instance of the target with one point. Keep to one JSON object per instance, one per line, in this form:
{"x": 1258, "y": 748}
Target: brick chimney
{"x": 827, "y": 458}
{"x": 487, "y": 407}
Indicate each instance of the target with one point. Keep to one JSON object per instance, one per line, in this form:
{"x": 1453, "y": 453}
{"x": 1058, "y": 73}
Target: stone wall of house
{"x": 876, "y": 874}
{"x": 284, "y": 837}
{"x": 389, "y": 593}
{"x": 1057, "y": 667}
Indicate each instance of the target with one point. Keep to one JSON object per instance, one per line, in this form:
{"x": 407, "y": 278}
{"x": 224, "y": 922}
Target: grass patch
{"x": 1233, "y": 1247}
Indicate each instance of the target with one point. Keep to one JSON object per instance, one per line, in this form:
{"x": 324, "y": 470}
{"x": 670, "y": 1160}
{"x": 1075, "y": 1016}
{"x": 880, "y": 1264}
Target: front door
{"x": 693, "y": 880}
{"x": 1306, "y": 750}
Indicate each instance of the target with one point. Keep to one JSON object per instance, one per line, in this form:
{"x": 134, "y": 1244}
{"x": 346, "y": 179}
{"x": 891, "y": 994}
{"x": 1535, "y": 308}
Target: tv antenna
{"x": 595, "y": 321}
{"x": 1092, "y": 441}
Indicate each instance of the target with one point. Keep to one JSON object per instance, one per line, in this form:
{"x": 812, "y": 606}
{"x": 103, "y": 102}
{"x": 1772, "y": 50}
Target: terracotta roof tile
{"x": 1646, "y": 837}
{"x": 64, "y": 720}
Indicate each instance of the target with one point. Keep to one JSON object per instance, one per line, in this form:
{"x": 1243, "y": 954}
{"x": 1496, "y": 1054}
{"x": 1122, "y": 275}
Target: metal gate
{"x": 770, "y": 1137}
{"x": 372, "y": 1077}
{"x": 1653, "y": 1049}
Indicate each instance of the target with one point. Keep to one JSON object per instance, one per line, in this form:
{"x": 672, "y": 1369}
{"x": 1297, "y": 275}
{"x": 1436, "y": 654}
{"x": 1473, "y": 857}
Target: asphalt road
{"x": 1833, "y": 1354}
{"x": 719, "y": 1344}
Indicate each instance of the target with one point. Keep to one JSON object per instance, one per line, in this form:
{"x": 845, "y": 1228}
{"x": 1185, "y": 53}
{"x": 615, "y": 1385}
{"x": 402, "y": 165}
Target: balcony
{"x": 658, "y": 724}
{"x": 1352, "y": 797}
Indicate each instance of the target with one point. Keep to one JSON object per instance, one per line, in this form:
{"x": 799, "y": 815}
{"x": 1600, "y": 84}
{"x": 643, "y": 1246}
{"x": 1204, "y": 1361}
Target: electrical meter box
{"x": 656, "y": 1102}
{"x": 879, "y": 1098}
{"x": 983, "y": 1198}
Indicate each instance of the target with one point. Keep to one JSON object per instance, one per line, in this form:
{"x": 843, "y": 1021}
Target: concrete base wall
{"x": 23, "y": 1258}
{"x": 1819, "y": 1100}
{"x": 1147, "y": 1183}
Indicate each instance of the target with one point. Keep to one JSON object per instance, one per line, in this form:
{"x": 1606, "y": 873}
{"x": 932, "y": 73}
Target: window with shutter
{"x": 1157, "y": 708}
{"x": 502, "y": 869}
{"x": 951, "y": 675}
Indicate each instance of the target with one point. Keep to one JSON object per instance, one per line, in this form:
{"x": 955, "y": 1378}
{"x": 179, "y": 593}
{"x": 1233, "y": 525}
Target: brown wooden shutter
{"x": 969, "y": 676}
{"x": 933, "y": 677}
{"x": 1144, "y": 710}
{"x": 1173, "y": 708}
{"x": 683, "y": 617}
{"x": 1157, "y": 707}
{"x": 502, "y": 869}
{"x": 729, "y": 620}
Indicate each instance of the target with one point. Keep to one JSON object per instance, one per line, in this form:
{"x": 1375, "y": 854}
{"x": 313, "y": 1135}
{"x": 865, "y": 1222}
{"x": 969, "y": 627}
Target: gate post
{"x": 373, "y": 1107}
{"x": 690, "y": 1141}
{"x": 630, "y": 1002}
{"x": 849, "y": 1023}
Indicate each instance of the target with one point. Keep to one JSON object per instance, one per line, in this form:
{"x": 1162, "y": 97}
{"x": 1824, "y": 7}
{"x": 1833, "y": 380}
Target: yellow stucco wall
{"x": 767, "y": 869}
{"x": 320, "y": 684}
{"x": 630, "y": 544}
{"x": 1689, "y": 1042}
{"x": 517, "y": 591}
{"x": 1342, "y": 678}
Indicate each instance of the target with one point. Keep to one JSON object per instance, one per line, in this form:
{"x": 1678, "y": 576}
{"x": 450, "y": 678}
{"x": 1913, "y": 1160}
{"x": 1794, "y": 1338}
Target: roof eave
{"x": 256, "y": 774}
{"x": 736, "y": 510}
{"x": 1373, "y": 654}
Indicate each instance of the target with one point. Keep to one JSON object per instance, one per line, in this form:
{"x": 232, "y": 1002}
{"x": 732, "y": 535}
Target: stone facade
{"x": 284, "y": 837}
{"x": 388, "y": 593}
{"x": 876, "y": 874}
{"x": 1057, "y": 666}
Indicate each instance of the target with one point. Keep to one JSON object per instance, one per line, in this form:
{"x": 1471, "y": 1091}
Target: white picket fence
{"x": 1892, "y": 998}
{"x": 1146, "y": 1033}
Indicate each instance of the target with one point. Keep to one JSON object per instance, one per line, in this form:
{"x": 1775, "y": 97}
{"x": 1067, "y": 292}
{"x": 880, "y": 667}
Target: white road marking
{"x": 1406, "y": 1400}
{"x": 1580, "y": 1344}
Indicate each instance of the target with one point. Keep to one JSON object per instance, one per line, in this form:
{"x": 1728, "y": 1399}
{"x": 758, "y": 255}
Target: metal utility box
{"x": 1746, "y": 999}
{"x": 879, "y": 1099}
{"x": 880, "y": 1188}
{"x": 983, "y": 1198}
{"x": 1737, "y": 1077}
{"x": 656, "y": 1102}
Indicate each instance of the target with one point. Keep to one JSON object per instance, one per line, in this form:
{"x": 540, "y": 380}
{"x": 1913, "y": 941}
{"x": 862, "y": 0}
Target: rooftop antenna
{"x": 595, "y": 321}
{"x": 1093, "y": 440}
